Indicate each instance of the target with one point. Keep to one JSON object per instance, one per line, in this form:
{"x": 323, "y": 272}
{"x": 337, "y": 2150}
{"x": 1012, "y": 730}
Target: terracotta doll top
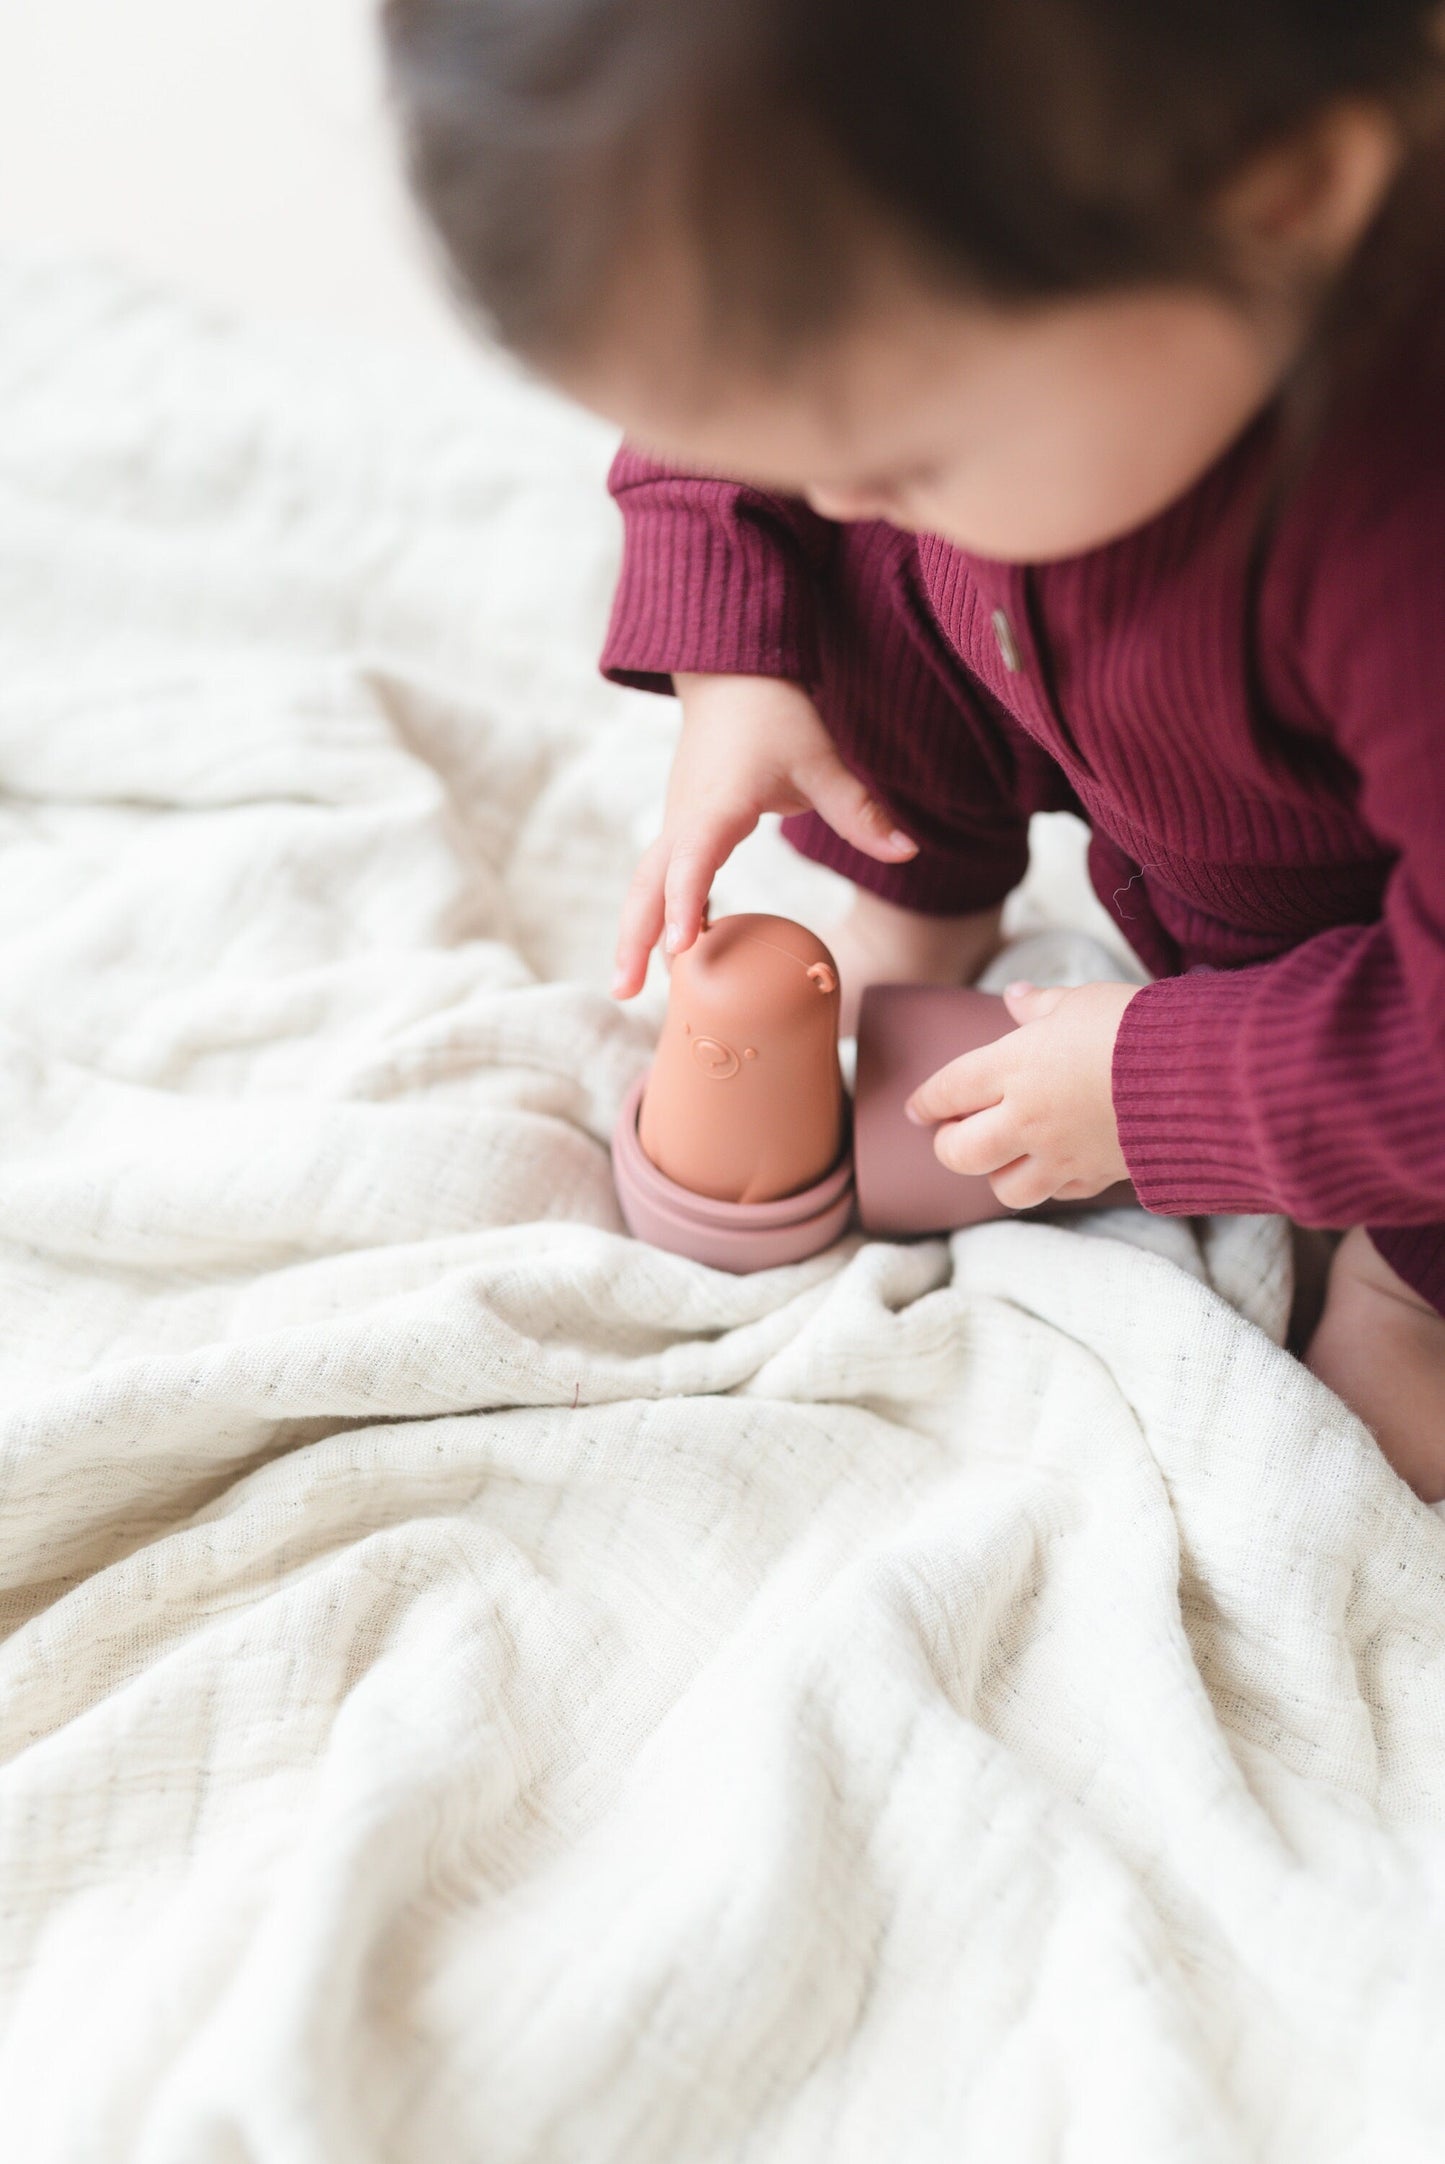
{"x": 745, "y": 1100}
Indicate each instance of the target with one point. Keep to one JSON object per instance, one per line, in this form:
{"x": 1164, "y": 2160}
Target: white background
{"x": 238, "y": 148}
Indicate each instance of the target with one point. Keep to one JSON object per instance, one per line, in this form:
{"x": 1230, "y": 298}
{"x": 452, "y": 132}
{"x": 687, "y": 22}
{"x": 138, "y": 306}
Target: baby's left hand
{"x": 1034, "y": 1111}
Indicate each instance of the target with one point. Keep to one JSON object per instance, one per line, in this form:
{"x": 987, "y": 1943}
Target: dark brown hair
{"x": 1019, "y": 148}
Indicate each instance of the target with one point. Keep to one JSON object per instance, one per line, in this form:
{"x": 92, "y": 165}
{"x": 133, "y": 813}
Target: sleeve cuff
{"x": 707, "y": 587}
{"x": 1305, "y": 1084}
{"x": 936, "y": 883}
{"x": 1184, "y": 1116}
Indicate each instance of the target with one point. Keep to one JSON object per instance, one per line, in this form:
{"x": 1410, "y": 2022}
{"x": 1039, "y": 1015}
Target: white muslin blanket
{"x": 476, "y": 1689}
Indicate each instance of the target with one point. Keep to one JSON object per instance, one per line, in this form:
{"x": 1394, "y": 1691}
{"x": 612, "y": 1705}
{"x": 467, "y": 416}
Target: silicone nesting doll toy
{"x": 735, "y": 1149}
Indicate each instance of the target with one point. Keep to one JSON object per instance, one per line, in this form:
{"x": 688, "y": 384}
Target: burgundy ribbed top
{"x": 1256, "y": 736}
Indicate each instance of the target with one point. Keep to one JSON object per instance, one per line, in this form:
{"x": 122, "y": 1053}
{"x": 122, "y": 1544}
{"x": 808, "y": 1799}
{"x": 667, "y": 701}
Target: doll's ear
{"x": 825, "y": 978}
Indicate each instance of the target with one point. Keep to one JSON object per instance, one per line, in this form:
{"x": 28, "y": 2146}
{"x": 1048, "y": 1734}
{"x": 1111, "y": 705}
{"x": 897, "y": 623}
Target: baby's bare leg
{"x": 1381, "y": 1347}
{"x": 879, "y": 943}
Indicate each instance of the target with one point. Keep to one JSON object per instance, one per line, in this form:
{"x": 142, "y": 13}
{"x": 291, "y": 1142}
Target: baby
{"x": 1033, "y": 404}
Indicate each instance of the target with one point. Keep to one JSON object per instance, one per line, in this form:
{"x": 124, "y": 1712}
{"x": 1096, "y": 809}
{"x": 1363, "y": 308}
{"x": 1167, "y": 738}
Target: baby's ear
{"x": 825, "y": 978}
{"x": 1315, "y": 193}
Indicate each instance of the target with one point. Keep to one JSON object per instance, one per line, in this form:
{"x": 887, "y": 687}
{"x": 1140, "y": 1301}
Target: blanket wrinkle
{"x": 473, "y": 1686}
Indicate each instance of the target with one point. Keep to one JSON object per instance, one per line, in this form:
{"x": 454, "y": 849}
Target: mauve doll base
{"x": 737, "y": 1236}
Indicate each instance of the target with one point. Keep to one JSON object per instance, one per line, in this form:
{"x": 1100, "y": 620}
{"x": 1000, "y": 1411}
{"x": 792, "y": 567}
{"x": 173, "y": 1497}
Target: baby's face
{"x": 1018, "y": 434}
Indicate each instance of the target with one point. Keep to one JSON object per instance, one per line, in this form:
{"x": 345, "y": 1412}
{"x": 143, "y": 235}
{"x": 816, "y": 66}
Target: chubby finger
{"x": 1023, "y": 1185}
{"x": 966, "y": 1085}
{"x": 981, "y": 1144}
{"x": 641, "y": 922}
{"x": 691, "y": 869}
{"x": 1031, "y": 1002}
{"x": 854, "y": 813}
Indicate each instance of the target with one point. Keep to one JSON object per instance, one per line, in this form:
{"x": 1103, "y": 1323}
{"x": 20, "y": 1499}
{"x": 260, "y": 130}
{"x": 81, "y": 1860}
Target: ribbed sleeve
{"x": 1304, "y": 1085}
{"x": 1315, "y": 1083}
{"x": 716, "y": 578}
{"x": 720, "y": 577}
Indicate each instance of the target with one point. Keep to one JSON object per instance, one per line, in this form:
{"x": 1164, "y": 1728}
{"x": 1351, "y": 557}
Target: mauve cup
{"x": 906, "y": 1032}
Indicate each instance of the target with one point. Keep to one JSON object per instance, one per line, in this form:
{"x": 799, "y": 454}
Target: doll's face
{"x": 740, "y": 998}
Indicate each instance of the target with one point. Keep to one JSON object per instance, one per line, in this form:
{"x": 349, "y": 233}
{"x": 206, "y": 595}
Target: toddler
{"x": 1033, "y": 404}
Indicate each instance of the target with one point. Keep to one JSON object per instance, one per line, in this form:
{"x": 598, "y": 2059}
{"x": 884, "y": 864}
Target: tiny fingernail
{"x": 1020, "y": 984}
{"x": 916, "y": 1118}
{"x": 899, "y": 840}
{"x": 673, "y": 938}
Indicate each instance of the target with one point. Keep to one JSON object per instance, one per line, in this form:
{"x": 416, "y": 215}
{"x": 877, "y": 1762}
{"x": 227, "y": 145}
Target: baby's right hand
{"x": 749, "y": 745}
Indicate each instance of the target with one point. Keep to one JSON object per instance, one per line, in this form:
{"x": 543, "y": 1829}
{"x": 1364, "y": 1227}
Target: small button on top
{"x": 1008, "y": 645}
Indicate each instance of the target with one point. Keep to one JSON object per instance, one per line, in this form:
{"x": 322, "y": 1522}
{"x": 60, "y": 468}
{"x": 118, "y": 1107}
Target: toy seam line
{"x": 753, "y": 939}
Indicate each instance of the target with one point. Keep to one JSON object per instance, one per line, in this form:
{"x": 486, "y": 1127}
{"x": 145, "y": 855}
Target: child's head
{"x": 1014, "y": 271}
